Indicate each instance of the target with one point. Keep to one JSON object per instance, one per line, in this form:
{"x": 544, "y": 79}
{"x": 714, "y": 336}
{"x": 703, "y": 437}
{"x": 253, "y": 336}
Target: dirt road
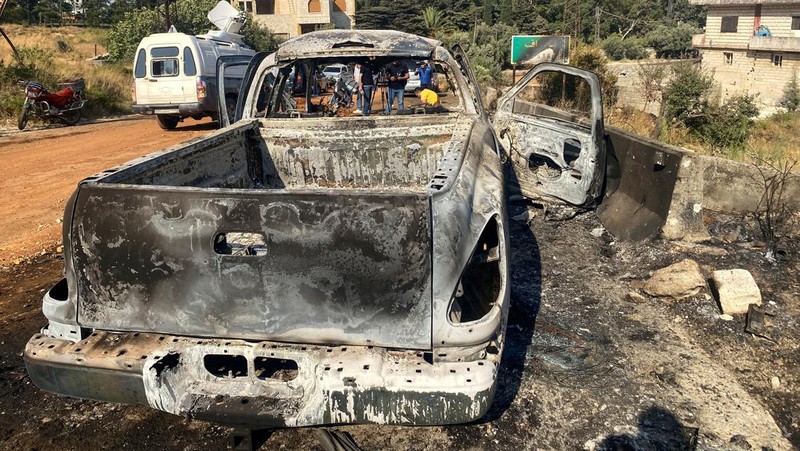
{"x": 41, "y": 168}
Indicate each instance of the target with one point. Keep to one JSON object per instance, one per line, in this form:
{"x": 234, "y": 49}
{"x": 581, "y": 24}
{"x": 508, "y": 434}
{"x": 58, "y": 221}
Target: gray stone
{"x": 736, "y": 289}
{"x": 677, "y": 281}
{"x": 635, "y": 297}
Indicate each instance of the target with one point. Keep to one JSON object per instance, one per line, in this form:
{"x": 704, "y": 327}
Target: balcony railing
{"x": 774, "y": 44}
{"x": 760, "y": 43}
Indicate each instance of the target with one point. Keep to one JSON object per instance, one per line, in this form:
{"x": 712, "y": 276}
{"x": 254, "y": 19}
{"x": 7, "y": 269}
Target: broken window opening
{"x": 225, "y": 366}
{"x": 480, "y": 283}
{"x": 556, "y": 95}
{"x": 281, "y": 369}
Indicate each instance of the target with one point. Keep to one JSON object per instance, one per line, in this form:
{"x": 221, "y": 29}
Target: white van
{"x": 174, "y": 74}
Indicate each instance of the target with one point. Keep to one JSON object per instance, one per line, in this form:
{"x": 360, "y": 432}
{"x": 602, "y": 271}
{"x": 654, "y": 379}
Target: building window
{"x": 314, "y": 6}
{"x": 246, "y": 5}
{"x": 729, "y": 24}
{"x": 796, "y": 23}
{"x": 265, "y": 6}
{"x": 777, "y": 60}
{"x": 728, "y": 58}
{"x": 339, "y": 5}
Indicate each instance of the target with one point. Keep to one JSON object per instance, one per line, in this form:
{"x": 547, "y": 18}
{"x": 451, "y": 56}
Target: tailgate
{"x": 338, "y": 266}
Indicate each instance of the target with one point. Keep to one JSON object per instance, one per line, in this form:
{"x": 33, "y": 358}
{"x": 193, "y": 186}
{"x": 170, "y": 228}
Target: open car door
{"x": 551, "y": 126}
{"x": 232, "y": 71}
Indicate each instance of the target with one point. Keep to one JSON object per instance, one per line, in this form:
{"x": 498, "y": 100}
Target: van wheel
{"x": 167, "y": 122}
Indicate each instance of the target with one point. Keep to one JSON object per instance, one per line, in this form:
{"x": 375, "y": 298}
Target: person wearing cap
{"x": 425, "y": 75}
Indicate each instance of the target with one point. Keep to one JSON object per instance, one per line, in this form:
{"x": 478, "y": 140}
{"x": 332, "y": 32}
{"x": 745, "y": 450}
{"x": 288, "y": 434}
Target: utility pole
{"x": 596, "y": 23}
{"x": 572, "y": 20}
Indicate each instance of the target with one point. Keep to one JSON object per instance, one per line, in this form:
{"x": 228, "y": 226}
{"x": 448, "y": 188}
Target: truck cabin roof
{"x": 383, "y": 45}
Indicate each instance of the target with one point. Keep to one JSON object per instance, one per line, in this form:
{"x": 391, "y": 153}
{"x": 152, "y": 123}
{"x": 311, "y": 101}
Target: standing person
{"x": 397, "y": 75}
{"x": 425, "y": 75}
{"x": 357, "y": 79}
{"x": 366, "y": 86}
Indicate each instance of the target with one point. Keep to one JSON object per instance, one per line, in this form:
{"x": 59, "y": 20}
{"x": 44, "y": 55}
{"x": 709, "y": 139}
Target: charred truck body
{"x": 297, "y": 268}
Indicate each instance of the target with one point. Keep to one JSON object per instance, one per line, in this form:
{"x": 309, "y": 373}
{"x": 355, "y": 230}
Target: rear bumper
{"x": 182, "y": 109}
{"x": 264, "y": 384}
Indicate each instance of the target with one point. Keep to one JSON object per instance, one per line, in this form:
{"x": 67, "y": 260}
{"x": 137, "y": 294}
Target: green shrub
{"x": 728, "y": 126}
{"x": 591, "y": 58}
{"x": 619, "y": 49}
{"x": 671, "y": 41}
{"x": 791, "y": 95}
{"x": 686, "y": 95}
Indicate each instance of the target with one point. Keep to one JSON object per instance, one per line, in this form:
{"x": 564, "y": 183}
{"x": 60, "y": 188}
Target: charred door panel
{"x": 330, "y": 267}
{"x": 551, "y": 125}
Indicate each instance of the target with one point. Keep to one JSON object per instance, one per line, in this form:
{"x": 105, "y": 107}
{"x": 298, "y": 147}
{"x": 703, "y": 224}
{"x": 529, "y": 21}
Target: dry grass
{"x": 52, "y": 55}
{"x": 775, "y": 138}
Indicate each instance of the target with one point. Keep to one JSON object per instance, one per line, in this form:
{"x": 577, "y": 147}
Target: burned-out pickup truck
{"x": 304, "y": 267}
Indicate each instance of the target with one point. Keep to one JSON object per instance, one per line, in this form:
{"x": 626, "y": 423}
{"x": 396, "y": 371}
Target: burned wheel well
{"x": 480, "y": 283}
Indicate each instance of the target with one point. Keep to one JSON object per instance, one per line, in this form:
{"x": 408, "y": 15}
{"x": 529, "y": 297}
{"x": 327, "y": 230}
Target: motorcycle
{"x": 64, "y": 105}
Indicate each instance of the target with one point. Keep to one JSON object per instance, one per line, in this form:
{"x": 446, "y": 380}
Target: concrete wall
{"x": 716, "y": 184}
{"x": 630, "y": 85}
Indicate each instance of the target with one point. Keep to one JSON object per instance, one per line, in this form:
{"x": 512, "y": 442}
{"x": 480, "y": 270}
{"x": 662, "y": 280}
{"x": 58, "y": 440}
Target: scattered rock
{"x": 597, "y": 232}
{"x": 59, "y": 249}
{"x": 635, "y": 297}
{"x": 526, "y": 216}
{"x": 775, "y": 382}
{"x": 725, "y": 317}
{"x": 680, "y": 280}
{"x": 741, "y": 442}
{"x": 736, "y": 290}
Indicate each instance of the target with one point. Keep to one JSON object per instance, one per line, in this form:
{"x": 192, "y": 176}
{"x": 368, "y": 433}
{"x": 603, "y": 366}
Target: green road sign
{"x": 530, "y": 50}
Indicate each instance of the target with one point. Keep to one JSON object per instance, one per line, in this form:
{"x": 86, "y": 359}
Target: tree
{"x": 791, "y": 94}
{"x": 191, "y": 18}
{"x": 686, "y": 95}
{"x": 433, "y": 19}
{"x": 671, "y": 41}
{"x": 96, "y": 12}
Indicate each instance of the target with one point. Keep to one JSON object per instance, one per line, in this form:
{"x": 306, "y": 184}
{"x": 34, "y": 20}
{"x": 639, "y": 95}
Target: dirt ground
{"x": 585, "y": 366}
{"x": 42, "y": 166}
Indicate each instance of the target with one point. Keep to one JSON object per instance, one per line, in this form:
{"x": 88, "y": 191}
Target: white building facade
{"x": 289, "y": 18}
{"x": 751, "y": 47}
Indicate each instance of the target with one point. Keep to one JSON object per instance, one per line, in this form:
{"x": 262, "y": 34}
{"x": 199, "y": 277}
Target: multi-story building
{"x": 751, "y": 47}
{"x": 290, "y": 18}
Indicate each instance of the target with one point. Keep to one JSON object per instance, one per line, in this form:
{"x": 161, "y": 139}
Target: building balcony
{"x": 757, "y": 43}
{"x": 774, "y": 44}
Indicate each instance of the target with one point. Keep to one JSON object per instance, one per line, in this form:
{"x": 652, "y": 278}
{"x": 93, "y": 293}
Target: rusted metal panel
{"x": 364, "y": 43}
{"x": 326, "y": 385}
{"x": 639, "y": 185}
{"x": 340, "y": 266}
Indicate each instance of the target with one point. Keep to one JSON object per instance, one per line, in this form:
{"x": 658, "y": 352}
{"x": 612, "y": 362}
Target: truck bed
{"x": 337, "y": 227}
{"x": 306, "y": 154}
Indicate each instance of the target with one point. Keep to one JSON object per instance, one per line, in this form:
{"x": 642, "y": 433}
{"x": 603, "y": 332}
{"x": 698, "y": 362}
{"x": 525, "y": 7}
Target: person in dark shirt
{"x": 397, "y": 76}
{"x": 366, "y": 85}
